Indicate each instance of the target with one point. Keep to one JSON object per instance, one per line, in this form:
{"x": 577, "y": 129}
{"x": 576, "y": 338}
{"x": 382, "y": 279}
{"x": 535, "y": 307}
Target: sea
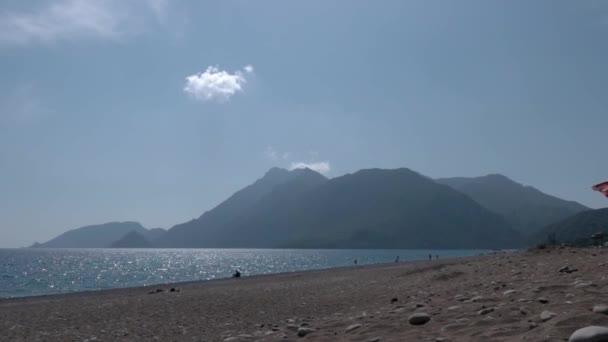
{"x": 34, "y": 272}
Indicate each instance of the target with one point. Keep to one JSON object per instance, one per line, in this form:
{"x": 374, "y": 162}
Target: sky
{"x": 155, "y": 111}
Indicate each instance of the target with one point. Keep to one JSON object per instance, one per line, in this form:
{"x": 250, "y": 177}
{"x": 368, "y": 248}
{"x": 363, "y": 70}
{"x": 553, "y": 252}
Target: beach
{"x": 519, "y": 296}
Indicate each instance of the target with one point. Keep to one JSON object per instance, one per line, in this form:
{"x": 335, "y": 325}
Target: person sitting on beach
{"x": 236, "y": 274}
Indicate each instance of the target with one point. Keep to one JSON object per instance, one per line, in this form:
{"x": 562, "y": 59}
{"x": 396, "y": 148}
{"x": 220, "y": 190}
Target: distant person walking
{"x": 355, "y": 261}
{"x": 436, "y": 256}
{"x": 397, "y": 260}
{"x": 430, "y": 256}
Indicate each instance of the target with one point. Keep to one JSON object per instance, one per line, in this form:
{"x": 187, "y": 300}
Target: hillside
{"x": 132, "y": 239}
{"x": 577, "y": 227}
{"x": 103, "y": 236}
{"x": 207, "y": 230}
{"x": 368, "y": 209}
{"x": 526, "y": 208}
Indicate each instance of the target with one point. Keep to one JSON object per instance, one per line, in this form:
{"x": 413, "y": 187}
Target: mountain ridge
{"x": 525, "y": 207}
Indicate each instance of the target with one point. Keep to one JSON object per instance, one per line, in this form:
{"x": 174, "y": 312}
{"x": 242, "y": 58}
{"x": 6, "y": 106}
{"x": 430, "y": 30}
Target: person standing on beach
{"x": 430, "y": 256}
{"x": 397, "y": 260}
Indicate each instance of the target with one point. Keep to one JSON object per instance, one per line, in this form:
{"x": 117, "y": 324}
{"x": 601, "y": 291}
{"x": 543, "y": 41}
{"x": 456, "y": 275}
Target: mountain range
{"x": 527, "y": 209}
{"x": 100, "y": 236}
{"x": 372, "y": 208}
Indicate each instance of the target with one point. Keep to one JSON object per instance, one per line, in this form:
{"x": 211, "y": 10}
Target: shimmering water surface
{"x": 29, "y": 272}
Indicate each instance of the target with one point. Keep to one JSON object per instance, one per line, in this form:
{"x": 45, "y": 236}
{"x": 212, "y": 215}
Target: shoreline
{"x": 482, "y": 252}
{"x": 243, "y": 277}
{"x": 494, "y": 297}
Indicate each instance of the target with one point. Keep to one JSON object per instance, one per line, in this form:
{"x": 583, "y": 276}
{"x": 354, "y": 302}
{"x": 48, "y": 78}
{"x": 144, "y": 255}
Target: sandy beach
{"x": 520, "y": 296}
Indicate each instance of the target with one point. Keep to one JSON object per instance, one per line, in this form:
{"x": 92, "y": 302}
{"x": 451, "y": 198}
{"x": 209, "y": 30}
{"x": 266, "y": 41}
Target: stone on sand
{"x": 352, "y": 327}
{"x": 485, "y": 311}
{"x": 601, "y": 308}
{"x": 419, "y": 318}
{"x": 590, "y": 334}
{"x": 303, "y": 331}
{"x": 547, "y": 315}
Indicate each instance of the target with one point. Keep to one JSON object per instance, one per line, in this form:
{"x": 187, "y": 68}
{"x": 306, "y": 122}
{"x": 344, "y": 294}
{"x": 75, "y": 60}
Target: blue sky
{"x": 157, "y": 110}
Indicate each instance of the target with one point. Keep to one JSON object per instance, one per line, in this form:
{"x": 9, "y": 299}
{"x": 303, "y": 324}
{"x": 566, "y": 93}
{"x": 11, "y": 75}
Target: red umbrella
{"x": 601, "y": 187}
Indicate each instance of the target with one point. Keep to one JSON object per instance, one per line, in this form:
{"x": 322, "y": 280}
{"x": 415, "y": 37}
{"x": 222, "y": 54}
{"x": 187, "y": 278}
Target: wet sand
{"x": 487, "y": 298}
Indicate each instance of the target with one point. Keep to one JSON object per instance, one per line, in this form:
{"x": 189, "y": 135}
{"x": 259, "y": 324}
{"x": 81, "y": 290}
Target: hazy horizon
{"x": 156, "y": 111}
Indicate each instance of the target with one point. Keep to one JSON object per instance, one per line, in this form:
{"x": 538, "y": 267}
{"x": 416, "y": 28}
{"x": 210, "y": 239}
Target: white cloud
{"x": 271, "y": 153}
{"x": 248, "y": 68}
{"x": 215, "y": 84}
{"x": 68, "y": 19}
{"x": 322, "y": 167}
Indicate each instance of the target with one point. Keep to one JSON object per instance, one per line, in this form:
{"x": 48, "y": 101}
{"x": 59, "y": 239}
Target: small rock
{"x": 419, "y": 318}
{"x": 303, "y": 331}
{"x": 509, "y": 292}
{"x": 394, "y": 300}
{"x": 353, "y": 327}
{"x": 454, "y": 308}
{"x": 485, "y": 311}
{"x": 543, "y": 300}
{"x": 476, "y": 298}
{"x": 375, "y": 339}
{"x": 547, "y": 315}
{"x": 590, "y": 334}
{"x": 601, "y": 308}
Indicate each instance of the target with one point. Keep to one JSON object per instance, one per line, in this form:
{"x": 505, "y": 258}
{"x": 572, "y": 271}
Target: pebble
{"x": 601, "y": 308}
{"x": 485, "y": 311}
{"x": 590, "y": 334}
{"x": 303, "y": 331}
{"x": 352, "y": 327}
{"x": 419, "y": 318}
{"x": 476, "y": 298}
{"x": 543, "y": 300}
{"x": 509, "y": 292}
{"x": 454, "y": 308}
{"x": 547, "y": 315}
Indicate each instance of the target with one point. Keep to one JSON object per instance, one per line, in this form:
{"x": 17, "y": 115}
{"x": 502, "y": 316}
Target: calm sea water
{"x": 29, "y": 272}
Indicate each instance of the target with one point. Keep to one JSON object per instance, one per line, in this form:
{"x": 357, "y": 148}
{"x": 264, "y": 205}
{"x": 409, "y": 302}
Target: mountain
{"x": 207, "y": 229}
{"x": 100, "y": 236}
{"x": 132, "y": 239}
{"x": 153, "y": 234}
{"x": 577, "y": 227}
{"x": 368, "y": 209}
{"x": 526, "y": 208}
